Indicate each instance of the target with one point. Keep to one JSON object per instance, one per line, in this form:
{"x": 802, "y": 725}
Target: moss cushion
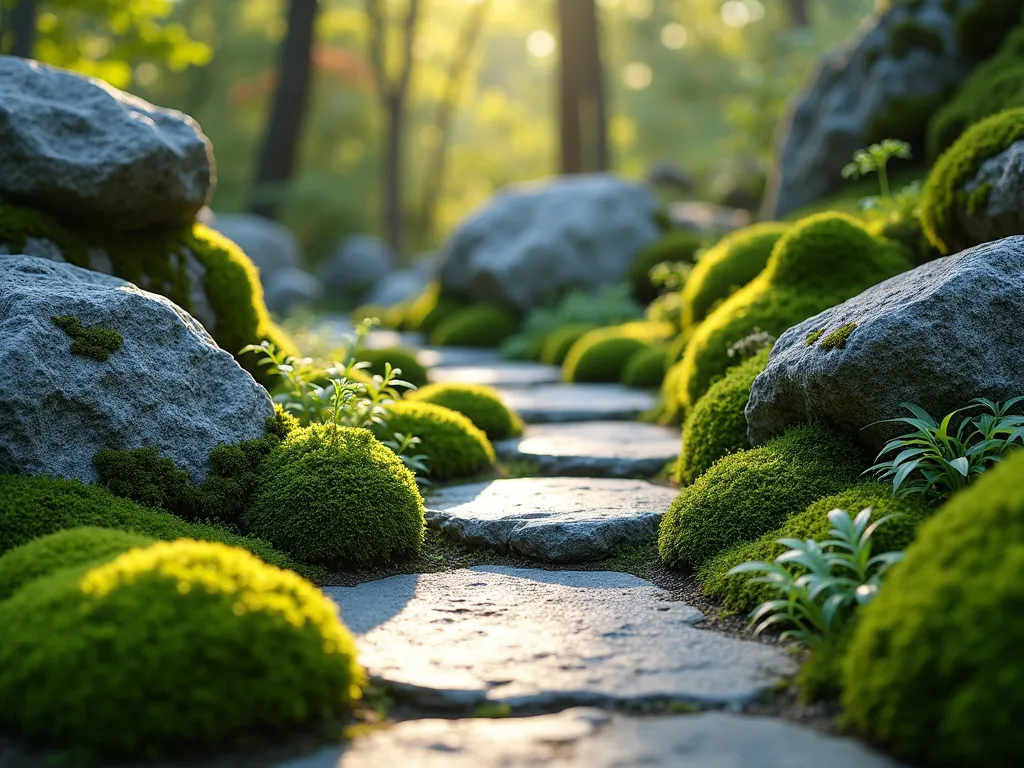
{"x": 646, "y": 367}
{"x": 479, "y": 403}
{"x": 481, "y": 325}
{"x": 601, "y": 355}
{"x": 557, "y": 344}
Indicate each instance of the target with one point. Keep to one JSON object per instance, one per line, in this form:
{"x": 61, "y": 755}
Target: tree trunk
{"x": 21, "y": 19}
{"x": 394, "y": 225}
{"x": 582, "y": 106}
{"x": 799, "y": 14}
{"x": 288, "y": 111}
{"x": 593, "y": 110}
{"x": 571, "y": 142}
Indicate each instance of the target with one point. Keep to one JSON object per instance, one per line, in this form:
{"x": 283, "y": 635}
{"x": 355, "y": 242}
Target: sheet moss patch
{"x": 838, "y": 338}
{"x": 96, "y": 341}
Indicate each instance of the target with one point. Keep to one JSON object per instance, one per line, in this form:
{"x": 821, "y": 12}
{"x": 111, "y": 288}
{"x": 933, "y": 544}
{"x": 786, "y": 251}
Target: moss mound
{"x": 934, "y": 670}
{"x": 158, "y": 261}
{"x": 821, "y": 261}
{"x": 646, "y": 368}
{"x": 748, "y": 494}
{"x": 945, "y": 199}
{"x": 181, "y": 644}
{"x": 481, "y": 404}
{"x": 482, "y": 325}
{"x": 337, "y": 497}
{"x": 717, "y": 425}
{"x": 737, "y": 259}
{"x": 670, "y": 406}
{"x": 739, "y": 594}
{"x": 412, "y": 370}
{"x": 558, "y": 343}
{"x": 429, "y": 308}
{"x": 64, "y": 549}
{"x": 453, "y": 445}
{"x": 31, "y": 507}
{"x": 678, "y": 245}
{"x": 601, "y": 355}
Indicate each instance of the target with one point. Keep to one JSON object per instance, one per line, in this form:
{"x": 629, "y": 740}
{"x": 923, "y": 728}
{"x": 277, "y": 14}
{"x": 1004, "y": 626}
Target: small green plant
{"x": 935, "y": 461}
{"x": 875, "y": 159}
{"x": 821, "y": 585}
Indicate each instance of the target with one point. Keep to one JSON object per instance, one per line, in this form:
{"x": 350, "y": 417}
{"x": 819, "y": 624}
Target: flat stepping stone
{"x": 506, "y": 373}
{"x": 595, "y": 448}
{"x": 446, "y": 357}
{"x": 555, "y": 519}
{"x": 563, "y": 403}
{"x": 534, "y": 638}
{"x": 590, "y": 738}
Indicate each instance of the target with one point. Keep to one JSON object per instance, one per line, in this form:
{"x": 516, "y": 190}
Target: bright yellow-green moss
{"x": 717, "y": 425}
{"x": 157, "y": 261}
{"x": 480, "y": 404}
{"x": 64, "y": 549}
{"x": 812, "y": 338}
{"x": 413, "y": 370}
{"x": 453, "y": 445}
{"x": 95, "y": 342}
{"x": 677, "y": 246}
{"x": 935, "y": 671}
{"x": 481, "y": 325}
{"x": 944, "y": 194}
{"x": 646, "y": 368}
{"x": 747, "y": 494}
{"x": 838, "y": 338}
{"x": 558, "y": 343}
{"x": 671, "y": 386}
{"x": 819, "y": 263}
{"x": 178, "y": 645}
{"x": 737, "y": 259}
{"x": 337, "y": 497}
{"x": 601, "y": 355}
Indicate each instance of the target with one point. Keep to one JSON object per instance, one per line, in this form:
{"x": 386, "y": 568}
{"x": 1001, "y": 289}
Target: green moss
{"x": 481, "y": 325}
{"x": 64, "y": 549}
{"x": 601, "y": 355}
{"x": 95, "y": 342}
{"x": 453, "y": 445}
{"x": 717, "y": 425}
{"x": 821, "y": 262}
{"x": 910, "y": 35}
{"x": 982, "y": 26}
{"x": 736, "y": 260}
{"x": 944, "y": 193}
{"x": 337, "y": 498}
{"x": 427, "y": 310}
{"x": 738, "y": 593}
{"x": 747, "y": 494}
{"x": 412, "y": 370}
{"x": 480, "y": 404}
{"x": 820, "y": 677}
{"x": 158, "y": 261}
{"x": 678, "y": 245}
{"x": 812, "y": 337}
{"x": 558, "y": 343}
{"x": 646, "y": 368}
{"x": 179, "y": 645}
{"x": 935, "y": 671}
{"x": 669, "y": 403}
{"x": 977, "y": 199}
{"x": 838, "y": 338}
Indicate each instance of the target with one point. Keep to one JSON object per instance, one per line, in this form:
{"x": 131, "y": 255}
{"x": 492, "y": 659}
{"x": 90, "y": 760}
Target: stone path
{"x": 595, "y": 448}
{"x": 561, "y": 403}
{"x": 538, "y": 640}
{"x": 446, "y": 357}
{"x": 556, "y": 519}
{"x": 506, "y": 373}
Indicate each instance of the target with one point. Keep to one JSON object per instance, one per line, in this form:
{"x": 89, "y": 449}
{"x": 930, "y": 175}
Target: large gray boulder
{"x": 166, "y": 385}
{"x": 270, "y": 245}
{"x": 906, "y": 56}
{"x": 533, "y": 242}
{"x": 87, "y": 152}
{"x": 403, "y": 284}
{"x": 355, "y": 266}
{"x": 937, "y": 336}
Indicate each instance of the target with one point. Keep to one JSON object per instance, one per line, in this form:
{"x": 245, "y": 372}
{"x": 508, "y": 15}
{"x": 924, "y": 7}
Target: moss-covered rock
{"x": 677, "y": 246}
{"x": 717, "y": 426}
{"x": 453, "y": 445}
{"x": 982, "y": 26}
{"x": 748, "y": 494}
{"x": 413, "y": 370}
{"x": 337, "y": 497}
{"x": 64, "y": 549}
{"x": 646, "y": 368}
{"x": 481, "y": 325}
{"x": 195, "y": 267}
{"x": 935, "y": 671}
{"x": 479, "y": 403}
{"x": 601, "y": 355}
{"x": 822, "y": 261}
{"x": 737, "y": 259}
{"x": 558, "y": 343}
{"x": 738, "y": 593}
{"x": 178, "y": 645}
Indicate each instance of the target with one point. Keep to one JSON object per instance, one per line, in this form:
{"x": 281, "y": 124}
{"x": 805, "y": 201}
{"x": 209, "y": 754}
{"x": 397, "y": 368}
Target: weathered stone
{"x": 270, "y": 245}
{"x": 355, "y": 265}
{"x": 533, "y": 638}
{"x": 532, "y": 243}
{"x": 83, "y": 150}
{"x": 594, "y": 448}
{"x": 168, "y": 385}
{"x": 555, "y": 519}
{"x": 561, "y": 403}
{"x": 874, "y": 85}
{"x": 501, "y": 374}
{"x": 592, "y": 738}
{"x": 937, "y": 336}
{"x": 1001, "y": 212}
{"x": 286, "y": 289}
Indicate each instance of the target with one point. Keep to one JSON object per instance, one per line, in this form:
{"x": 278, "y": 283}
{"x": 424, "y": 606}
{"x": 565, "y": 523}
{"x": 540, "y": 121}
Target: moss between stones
{"x": 96, "y": 341}
{"x": 813, "y": 337}
{"x": 480, "y": 404}
{"x": 481, "y": 325}
{"x": 838, "y": 338}
{"x": 678, "y": 245}
{"x": 910, "y": 35}
{"x": 646, "y": 368}
{"x": 558, "y": 343}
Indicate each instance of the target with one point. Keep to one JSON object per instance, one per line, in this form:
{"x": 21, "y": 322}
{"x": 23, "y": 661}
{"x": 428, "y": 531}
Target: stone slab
{"x": 590, "y": 738}
{"x": 563, "y": 403}
{"x": 459, "y": 357}
{"x": 554, "y": 519}
{"x": 595, "y": 448}
{"x": 507, "y": 373}
{"x": 546, "y": 639}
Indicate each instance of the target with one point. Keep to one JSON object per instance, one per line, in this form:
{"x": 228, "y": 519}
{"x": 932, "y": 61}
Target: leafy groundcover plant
{"x": 935, "y": 461}
{"x": 821, "y": 584}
